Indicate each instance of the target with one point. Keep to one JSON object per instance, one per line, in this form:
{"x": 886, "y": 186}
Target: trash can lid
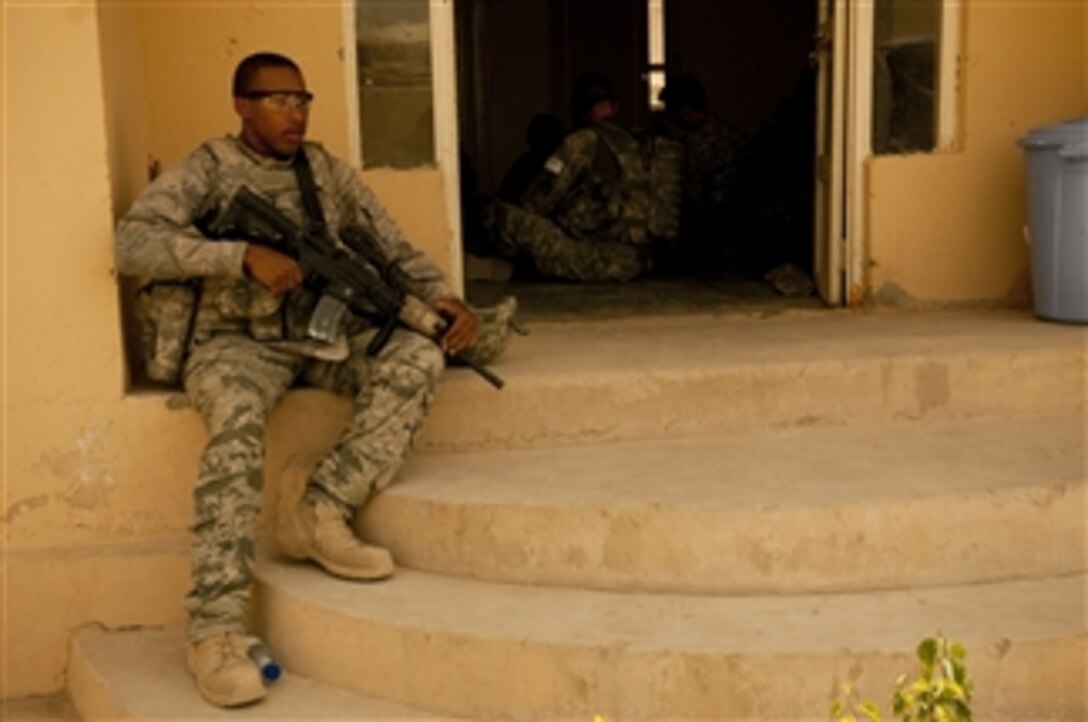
{"x": 1053, "y": 136}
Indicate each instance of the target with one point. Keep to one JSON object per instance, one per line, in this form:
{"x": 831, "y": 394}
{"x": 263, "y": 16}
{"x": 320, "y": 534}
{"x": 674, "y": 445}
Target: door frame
{"x": 444, "y": 68}
{"x": 860, "y": 29}
{"x": 444, "y": 101}
{"x": 829, "y": 226}
{"x": 844, "y": 51}
{"x": 844, "y": 47}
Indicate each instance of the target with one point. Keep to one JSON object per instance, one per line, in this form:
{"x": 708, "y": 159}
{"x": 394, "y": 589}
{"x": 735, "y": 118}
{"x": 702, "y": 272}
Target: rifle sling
{"x": 311, "y": 204}
{"x": 315, "y": 221}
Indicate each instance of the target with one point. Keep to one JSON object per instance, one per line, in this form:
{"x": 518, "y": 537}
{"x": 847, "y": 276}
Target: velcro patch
{"x": 554, "y": 165}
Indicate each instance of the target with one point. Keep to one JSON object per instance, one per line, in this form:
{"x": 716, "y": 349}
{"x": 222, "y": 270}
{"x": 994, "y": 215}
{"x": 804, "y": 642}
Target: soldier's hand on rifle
{"x": 461, "y": 335}
{"x": 278, "y": 272}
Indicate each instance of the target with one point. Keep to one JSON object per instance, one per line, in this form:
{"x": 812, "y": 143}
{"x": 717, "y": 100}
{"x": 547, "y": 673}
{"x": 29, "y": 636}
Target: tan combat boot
{"x": 225, "y": 675}
{"x": 320, "y": 533}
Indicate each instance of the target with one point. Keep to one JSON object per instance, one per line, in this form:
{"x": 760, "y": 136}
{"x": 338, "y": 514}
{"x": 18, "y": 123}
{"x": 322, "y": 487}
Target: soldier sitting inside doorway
{"x": 601, "y": 202}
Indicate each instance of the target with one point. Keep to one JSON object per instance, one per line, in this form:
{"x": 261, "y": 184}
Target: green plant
{"x": 849, "y": 707}
{"x": 940, "y": 693}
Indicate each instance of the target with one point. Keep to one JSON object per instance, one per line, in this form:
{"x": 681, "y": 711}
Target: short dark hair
{"x": 591, "y": 88}
{"x": 683, "y": 91}
{"x": 247, "y": 70}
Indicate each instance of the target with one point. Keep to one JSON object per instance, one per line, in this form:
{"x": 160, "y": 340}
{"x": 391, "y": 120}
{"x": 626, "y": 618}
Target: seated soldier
{"x": 711, "y": 149}
{"x": 542, "y": 137}
{"x": 231, "y": 322}
{"x": 589, "y": 215}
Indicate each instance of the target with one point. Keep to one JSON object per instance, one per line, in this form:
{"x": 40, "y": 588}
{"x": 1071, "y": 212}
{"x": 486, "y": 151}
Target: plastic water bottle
{"x": 262, "y": 657}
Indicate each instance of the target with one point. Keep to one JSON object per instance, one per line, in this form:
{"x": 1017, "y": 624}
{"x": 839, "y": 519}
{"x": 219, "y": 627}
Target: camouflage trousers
{"x": 553, "y": 252}
{"x": 235, "y": 382}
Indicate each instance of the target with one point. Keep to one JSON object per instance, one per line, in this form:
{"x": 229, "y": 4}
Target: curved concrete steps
{"x": 141, "y": 675}
{"x": 717, "y": 518}
{"x": 882, "y": 506}
{"x": 485, "y": 649}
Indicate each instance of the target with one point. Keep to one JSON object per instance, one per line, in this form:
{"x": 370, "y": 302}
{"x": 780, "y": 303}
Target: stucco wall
{"x": 96, "y": 495}
{"x": 947, "y": 227}
{"x": 64, "y": 346}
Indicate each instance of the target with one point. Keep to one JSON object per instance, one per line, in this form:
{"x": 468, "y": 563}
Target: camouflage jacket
{"x": 578, "y": 187}
{"x": 159, "y": 238}
{"x": 711, "y": 155}
{"x": 602, "y": 183}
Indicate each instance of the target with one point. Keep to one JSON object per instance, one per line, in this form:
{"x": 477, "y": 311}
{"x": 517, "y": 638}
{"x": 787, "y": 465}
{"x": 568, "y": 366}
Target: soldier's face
{"x": 274, "y": 112}
{"x": 603, "y": 110}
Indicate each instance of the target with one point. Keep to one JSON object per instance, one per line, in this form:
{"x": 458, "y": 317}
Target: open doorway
{"x": 753, "y": 59}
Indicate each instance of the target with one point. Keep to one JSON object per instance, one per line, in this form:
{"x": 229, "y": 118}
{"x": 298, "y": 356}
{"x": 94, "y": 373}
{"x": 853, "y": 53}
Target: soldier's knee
{"x": 417, "y": 365}
{"x": 430, "y": 361}
{"x": 234, "y": 410}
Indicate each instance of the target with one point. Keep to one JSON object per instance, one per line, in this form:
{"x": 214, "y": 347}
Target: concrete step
{"x": 141, "y": 675}
{"x": 54, "y": 707}
{"x": 881, "y": 506}
{"x": 673, "y": 377}
{"x": 486, "y": 649}
{"x": 703, "y": 375}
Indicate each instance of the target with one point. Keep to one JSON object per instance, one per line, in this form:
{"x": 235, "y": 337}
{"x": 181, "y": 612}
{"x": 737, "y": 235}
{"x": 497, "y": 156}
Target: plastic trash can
{"x": 1057, "y": 161}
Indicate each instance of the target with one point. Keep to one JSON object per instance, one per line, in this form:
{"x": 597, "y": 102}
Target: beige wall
{"x": 64, "y": 342}
{"x": 948, "y": 227}
{"x": 195, "y": 50}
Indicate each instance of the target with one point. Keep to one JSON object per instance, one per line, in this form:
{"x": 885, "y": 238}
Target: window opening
{"x": 913, "y": 68}
{"x": 396, "y": 98}
{"x": 655, "y": 61}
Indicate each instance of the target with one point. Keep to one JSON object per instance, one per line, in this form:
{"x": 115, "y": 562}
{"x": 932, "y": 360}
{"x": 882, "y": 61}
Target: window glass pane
{"x": 655, "y": 46}
{"x": 657, "y": 32}
{"x": 907, "y": 40}
{"x": 396, "y": 106}
{"x": 656, "y": 83}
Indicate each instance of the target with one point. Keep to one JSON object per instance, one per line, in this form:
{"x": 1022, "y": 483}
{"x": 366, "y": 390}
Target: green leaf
{"x": 927, "y": 651}
{"x": 870, "y": 711}
{"x": 959, "y": 673}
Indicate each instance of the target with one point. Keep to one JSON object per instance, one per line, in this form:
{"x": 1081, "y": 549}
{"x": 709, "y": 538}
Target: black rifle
{"x": 356, "y": 276}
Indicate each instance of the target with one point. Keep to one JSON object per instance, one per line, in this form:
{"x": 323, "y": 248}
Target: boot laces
{"x": 226, "y": 649}
{"x": 332, "y": 531}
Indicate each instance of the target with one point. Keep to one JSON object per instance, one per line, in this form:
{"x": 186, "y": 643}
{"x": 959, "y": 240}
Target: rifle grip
{"x": 382, "y": 337}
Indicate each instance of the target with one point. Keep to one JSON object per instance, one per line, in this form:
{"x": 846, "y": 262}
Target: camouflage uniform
{"x": 591, "y": 214}
{"x": 248, "y": 347}
{"x": 711, "y": 154}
